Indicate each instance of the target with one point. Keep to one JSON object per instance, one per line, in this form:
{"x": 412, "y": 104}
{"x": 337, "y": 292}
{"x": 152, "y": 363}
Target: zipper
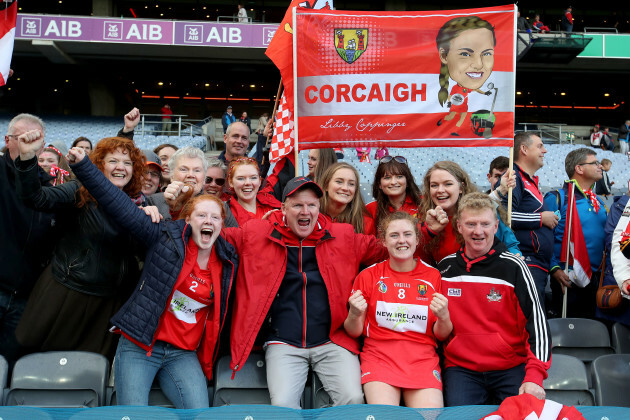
{"x": 304, "y": 311}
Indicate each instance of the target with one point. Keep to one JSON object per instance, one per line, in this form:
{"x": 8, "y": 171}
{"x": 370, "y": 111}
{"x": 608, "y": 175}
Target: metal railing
{"x": 549, "y": 132}
{"x": 153, "y": 124}
{"x": 591, "y": 29}
{"x": 233, "y": 19}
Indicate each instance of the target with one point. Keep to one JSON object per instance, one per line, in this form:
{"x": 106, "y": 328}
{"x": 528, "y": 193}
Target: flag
{"x": 280, "y": 49}
{"x": 283, "y": 136}
{"x": 573, "y": 239}
{"x": 8, "y": 17}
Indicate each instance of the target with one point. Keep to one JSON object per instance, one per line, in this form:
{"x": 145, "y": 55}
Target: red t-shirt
{"x": 459, "y": 98}
{"x": 190, "y": 304}
{"x": 398, "y": 303}
{"x": 408, "y": 207}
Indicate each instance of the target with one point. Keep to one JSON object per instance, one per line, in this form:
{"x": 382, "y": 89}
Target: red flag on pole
{"x": 8, "y": 17}
{"x": 574, "y": 245}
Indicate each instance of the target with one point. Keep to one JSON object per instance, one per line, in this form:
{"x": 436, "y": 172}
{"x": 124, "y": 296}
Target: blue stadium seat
{"x": 59, "y": 379}
{"x": 250, "y": 412}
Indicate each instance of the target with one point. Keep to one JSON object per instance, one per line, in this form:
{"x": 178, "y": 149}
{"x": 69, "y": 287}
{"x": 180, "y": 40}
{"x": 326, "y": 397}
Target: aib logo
{"x": 31, "y": 27}
{"x": 351, "y": 43}
{"x": 112, "y": 30}
{"x": 194, "y": 34}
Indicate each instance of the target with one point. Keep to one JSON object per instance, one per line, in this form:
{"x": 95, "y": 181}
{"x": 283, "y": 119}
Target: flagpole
{"x": 295, "y": 101}
{"x": 273, "y": 115}
{"x": 567, "y": 231}
{"x": 509, "y": 201}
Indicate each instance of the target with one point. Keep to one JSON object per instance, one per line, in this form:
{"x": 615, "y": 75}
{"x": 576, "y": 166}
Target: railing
{"x": 153, "y": 124}
{"x": 597, "y": 29}
{"x": 549, "y": 132}
{"x": 233, "y": 19}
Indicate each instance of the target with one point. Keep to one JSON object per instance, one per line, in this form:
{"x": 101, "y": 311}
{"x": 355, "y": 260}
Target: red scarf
{"x": 54, "y": 170}
{"x": 594, "y": 201}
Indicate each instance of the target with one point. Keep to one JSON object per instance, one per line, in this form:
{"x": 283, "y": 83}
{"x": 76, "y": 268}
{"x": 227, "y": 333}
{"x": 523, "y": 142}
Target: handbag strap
{"x": 603, "y": 269}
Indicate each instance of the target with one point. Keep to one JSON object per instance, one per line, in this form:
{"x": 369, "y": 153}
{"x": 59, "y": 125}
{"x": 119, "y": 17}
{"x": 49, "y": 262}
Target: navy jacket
{"x": 166, "y": 241}
{"x": 535, "y": 240}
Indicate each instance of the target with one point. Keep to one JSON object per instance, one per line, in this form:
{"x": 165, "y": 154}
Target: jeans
{"x": 467, "y": 387}
{"x": 177, "y": 370}
{"x": 337, "y": 368}
{"x": 11, "y": 309}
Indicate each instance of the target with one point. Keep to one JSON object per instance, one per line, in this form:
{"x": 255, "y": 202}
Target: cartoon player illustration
{"x": 466, "y": 47}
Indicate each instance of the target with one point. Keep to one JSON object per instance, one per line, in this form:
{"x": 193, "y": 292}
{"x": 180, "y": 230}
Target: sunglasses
{"x": 218, "y": 181}
{"x": 399, "y": 159}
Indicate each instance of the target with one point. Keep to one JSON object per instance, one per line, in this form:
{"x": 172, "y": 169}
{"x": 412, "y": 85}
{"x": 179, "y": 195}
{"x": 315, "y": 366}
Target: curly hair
{"x": 111, "y": 145}
{"x": 449, "y": 31}
{"x": 465, "y": 184}
{"x": 393, "y": 167}
{"x": 355, "y": 211}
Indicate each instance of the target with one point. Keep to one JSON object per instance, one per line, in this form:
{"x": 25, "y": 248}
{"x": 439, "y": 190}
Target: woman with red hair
{"x": 171, "y": 324}
{"x": 94, "y": 261}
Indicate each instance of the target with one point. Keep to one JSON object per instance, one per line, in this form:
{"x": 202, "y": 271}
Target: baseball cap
{"x": 300, "y": 183}
{"x": 152, "y": 159}
{"x": 229, "y": 107}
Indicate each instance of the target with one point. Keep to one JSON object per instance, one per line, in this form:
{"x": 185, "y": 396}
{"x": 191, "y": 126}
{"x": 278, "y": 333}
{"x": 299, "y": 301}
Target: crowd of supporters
{"x": 164, "y": 259}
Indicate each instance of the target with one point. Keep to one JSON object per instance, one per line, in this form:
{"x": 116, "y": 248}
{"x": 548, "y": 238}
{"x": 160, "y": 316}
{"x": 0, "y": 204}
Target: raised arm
{"x": 115, "y": 202}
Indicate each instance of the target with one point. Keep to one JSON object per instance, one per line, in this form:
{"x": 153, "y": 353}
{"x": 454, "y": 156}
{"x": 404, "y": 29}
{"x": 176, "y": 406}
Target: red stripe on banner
{"x": 408, "y": 130}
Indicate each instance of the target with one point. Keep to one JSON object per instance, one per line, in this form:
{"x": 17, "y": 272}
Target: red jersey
{"x": 191, "y": 301}
{"x": 408, "y": 207}
{"x": 262, "y": 207}
{"x": 447, "y": 245}
{"x": 398, "y": 303}
{"x": 459, "y": 98}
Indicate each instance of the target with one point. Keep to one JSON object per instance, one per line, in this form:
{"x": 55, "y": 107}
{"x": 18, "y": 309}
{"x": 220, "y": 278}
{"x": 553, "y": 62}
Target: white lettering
{"x": 235, "y": 36}
{"x": 134, "y": 32}
{"x": 74, "y": 29}
{"x": 155, "y": 32}
{"x": 214, "y": 35}
{"x": 52, "y": 29}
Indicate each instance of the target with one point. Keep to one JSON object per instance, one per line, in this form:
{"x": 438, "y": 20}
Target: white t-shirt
{"x": 242, "y": 15}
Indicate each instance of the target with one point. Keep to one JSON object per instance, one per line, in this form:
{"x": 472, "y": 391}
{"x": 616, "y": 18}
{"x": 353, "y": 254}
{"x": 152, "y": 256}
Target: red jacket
{"x": 263, "y": 255}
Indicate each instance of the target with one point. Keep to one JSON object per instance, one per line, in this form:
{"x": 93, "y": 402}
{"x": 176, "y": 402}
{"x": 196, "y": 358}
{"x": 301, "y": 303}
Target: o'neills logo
{"x": 351, "y": 43}
{"x": 359, "y": 92}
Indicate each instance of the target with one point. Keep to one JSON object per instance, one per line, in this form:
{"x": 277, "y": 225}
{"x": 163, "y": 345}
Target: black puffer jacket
{"x": 93, "y": 255}
{"x": 26, "y": 240}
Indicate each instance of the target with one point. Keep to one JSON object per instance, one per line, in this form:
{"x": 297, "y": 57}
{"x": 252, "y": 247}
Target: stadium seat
{"x": 249, "y": 385}
{"x": 59, "y": 379}
{"x": 583, "y": 338}
{"x": 319, "y": 396}
{"x": 127, "y": 413}
{"x": 567, "y": 382}
{"x": 611, "y": 376}
{"x": 4, "y": 371}
{"x": 621, "y": 338}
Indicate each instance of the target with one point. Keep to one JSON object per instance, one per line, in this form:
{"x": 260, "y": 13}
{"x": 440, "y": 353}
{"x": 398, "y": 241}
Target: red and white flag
{"x": 573, "y": 241}
{"x": 8, "y": 16}
{"x": 283, "y": 136}
{"x": 280, "y": 51}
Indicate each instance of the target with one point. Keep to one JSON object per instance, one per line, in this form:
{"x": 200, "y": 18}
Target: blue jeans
{"x": 177, "y": 370}
{"x": 11, "y": 309}
{"x": 467, "y": 387}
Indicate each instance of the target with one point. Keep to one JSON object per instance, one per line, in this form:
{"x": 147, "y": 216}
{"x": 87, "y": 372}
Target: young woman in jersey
{"x": 398, "y": 307}
{"x": 444, "y": 184}
{"x": 394, "y": 189}
{"x": 466, "y": 48}
{"x": 342, "y": 201}
{"x": 171, "y": 323}
{"x": 247, "y": 203}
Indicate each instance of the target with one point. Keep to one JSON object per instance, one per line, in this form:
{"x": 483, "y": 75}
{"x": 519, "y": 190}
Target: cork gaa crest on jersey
{"x": 351, "y": 43}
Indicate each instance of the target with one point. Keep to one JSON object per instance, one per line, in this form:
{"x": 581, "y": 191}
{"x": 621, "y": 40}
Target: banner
{"x": 8, "y": 17}
{"x": 405, "y": 79}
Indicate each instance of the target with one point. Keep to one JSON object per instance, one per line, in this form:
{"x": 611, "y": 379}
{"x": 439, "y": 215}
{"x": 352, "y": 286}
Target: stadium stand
{"x": 568, "y": 381}
{"x": 59, "y": 379}
{"x": 583, "y": 338}
{"x": 249, "y": 385}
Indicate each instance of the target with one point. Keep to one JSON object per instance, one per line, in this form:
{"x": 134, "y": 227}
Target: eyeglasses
{"x": 596, "y": 163}
{"x": 399, "y": 159}
{"x": 218, "y": 181}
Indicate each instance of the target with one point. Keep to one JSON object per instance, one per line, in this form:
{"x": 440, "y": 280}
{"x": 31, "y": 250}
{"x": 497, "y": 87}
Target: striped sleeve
{"x": 539, "y": 340}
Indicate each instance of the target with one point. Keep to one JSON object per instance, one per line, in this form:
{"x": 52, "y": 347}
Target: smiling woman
{"x": 93, "y": 264}
{"x": 192, "y": 281}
